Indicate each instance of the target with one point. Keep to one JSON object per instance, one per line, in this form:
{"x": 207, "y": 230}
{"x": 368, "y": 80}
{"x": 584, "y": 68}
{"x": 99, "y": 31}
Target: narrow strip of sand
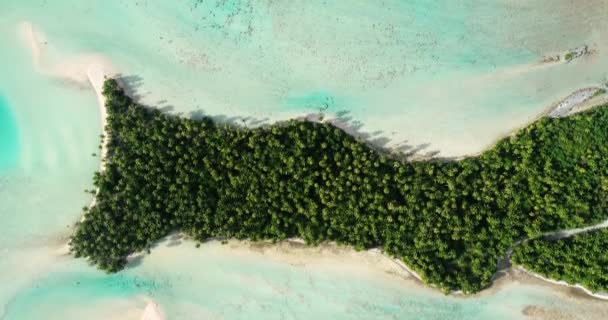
{"x": 70, "y": 68}
{"x": 97, "y": 75}
{"x": 603, "y": 296}
{"x": 152, "y": 312}
{"x": 28, "y": 32}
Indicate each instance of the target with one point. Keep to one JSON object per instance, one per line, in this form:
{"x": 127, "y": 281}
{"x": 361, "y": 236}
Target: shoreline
{"x": 601, "y": 296}
{"x": 494, "y": 284}
{"x": 573, "y": 103}
{"x": 95, "y": 80}
{"x": 29, "y": 34}
{"x": 96, "y": 77}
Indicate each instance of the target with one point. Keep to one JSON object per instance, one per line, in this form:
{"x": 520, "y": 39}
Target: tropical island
{"x": 450, "y": 221}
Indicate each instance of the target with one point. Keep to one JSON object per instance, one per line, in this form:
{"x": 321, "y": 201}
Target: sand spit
{"x": 580, "y": 100}
{"x": 29, "y": 34}
{"x": 96, "y": 74}
{"x": 70, "y": 69}
{"x": 86, "y": 70}
{"x": 153, "y": 312}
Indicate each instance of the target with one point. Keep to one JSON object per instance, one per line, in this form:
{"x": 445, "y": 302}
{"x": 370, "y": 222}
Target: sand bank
{"x": 152, "y": 312}
{"x": 33, "y": 40}
{"x": 84, "y": 69}
{"x": 580, "y": 100}
{"x": 331, "y": 259}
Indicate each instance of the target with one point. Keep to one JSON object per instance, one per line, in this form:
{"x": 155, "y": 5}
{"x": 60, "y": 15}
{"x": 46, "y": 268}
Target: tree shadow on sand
{"x": 133, "y": 86}
{"x": 343, "y": 119}
{"x": 377, "y": 140}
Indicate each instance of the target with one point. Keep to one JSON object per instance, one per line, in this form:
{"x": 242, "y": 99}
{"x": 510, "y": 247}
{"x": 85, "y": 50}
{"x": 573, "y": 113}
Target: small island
{"x": 450, "y": 221}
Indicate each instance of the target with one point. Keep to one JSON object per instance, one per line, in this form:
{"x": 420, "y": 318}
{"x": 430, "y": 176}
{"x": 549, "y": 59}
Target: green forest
{"x": 448, "y": 220}
{"x": 581, "y": 259}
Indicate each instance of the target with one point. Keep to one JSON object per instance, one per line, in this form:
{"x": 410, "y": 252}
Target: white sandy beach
{"x": 152, "y": 312}
{"x": 96, "y": 74}
{"x": 328, "y": 258}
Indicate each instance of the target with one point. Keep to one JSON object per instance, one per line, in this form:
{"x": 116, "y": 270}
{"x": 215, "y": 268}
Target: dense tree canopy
{"x": 449, "y": 221}
{"x": 581, "y": 259}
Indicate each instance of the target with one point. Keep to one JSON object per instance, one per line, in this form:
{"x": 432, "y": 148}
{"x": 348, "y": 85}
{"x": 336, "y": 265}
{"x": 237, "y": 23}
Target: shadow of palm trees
{"x": 342, "y": 119}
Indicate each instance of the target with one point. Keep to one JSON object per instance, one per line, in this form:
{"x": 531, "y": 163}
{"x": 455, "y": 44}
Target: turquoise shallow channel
{"x": 9, "y": 137}
{"x": 446, "y": 76}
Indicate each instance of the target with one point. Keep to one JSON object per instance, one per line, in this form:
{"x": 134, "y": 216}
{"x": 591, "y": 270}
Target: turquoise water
{"x": 9, "y": 137}
{"x": 316, "y": 101}
{"x": 453, "y": 75}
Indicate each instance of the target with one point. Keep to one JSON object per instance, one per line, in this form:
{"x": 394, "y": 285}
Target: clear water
{"x": 449, "y": 75}
{"x": 9, "y": 139}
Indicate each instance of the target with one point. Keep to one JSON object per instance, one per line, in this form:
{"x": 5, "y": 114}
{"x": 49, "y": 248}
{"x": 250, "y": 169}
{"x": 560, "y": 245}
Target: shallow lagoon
{"x": 239, "y": 281}
{"x": 390, "y": 70}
